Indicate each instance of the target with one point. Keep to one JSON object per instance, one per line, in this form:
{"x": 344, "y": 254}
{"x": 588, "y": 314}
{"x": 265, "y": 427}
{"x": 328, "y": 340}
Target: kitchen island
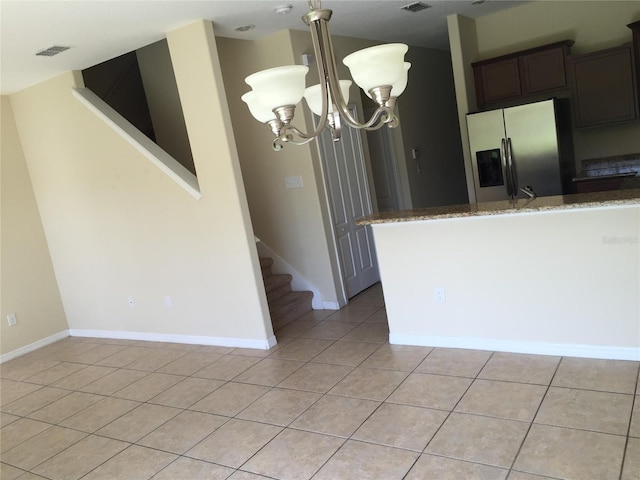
{"x": 553, "y": 275}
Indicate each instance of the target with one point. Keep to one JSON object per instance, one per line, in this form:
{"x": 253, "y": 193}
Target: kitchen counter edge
{"x": 506, "y": 207}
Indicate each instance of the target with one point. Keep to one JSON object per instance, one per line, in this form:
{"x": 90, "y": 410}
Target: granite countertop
{"x": 540, "y": 204}
{"x": 609, "y": 176}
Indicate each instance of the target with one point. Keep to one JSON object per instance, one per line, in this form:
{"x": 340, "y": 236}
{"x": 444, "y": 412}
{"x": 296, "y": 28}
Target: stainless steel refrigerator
{"x": 519, "y": 152}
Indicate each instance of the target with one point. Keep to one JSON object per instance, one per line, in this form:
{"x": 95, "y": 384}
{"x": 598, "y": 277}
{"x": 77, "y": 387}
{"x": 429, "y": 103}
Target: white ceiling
{"x": 98, "y": 30}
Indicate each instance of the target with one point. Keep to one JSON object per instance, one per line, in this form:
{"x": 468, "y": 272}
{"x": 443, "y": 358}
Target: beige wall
{"x": 118, "y": 226}
{"x": 28, "y": 285}
{"x": 464, "y": 50}
{"x": 430, "y": 124}
{"x": 291, "y": 222}
{"x": 549, "y": 282}
{"x": 428, "y": 121}
{"x": 294, "y": 223}
{"x": 593, "y": 26}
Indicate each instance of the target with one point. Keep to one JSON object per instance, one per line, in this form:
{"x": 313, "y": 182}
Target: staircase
{"x": 285, "y": 305}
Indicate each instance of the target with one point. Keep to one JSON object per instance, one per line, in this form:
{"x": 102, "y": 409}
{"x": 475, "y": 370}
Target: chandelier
{"x": 379, "y": 71}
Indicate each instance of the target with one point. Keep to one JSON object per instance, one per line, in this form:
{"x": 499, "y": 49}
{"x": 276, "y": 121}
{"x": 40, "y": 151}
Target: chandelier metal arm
{"x": 288, "y": 134}
{"x": 325, "y": 46}
{"x": 382, "y": 115}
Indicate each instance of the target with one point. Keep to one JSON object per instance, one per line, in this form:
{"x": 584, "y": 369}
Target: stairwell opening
{"x": 141, "y": 86}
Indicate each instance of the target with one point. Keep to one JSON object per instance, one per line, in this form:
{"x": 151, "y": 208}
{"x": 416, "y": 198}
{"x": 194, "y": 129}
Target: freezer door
{"x": 534, "y": 148}
{"x": 486, "y": 135}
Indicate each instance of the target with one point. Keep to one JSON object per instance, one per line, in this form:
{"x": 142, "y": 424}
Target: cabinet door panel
{"x": 603, "y": 87}
{"x": 543, "y": 71}
{"x": 500, "y": 80}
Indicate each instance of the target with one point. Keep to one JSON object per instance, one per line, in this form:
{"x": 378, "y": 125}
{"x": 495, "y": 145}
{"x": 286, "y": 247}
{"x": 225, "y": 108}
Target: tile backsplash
{"x": 594, "y": 167}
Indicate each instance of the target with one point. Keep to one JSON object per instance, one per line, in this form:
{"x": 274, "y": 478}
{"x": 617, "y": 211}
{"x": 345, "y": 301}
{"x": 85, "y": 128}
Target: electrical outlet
{"x": 438, "y": 295}
{"x": 168, "y": 302}
{"x": 130, "y": 301}
{"x": 12, "y": 320}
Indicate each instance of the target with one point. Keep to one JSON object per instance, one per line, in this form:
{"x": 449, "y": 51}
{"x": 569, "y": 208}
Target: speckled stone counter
{"x": 541, "y": 204}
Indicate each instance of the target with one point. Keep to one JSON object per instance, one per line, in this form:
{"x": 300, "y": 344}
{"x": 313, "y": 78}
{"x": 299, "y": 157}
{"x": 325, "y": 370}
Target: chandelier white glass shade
{"x": 376, "y": 66}
{"x": 380, "y": 71}
{"x": 314, "y": 98}
{"x": 259, "y": 112}
{"x": 398, "y": 88}
{"x": 278, "y": 86}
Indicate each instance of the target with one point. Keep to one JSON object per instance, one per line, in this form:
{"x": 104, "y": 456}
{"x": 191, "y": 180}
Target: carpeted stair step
{"x": 277, "y": 285}
{"x": 289, "y": 307}
{"x": 265, "y": 266}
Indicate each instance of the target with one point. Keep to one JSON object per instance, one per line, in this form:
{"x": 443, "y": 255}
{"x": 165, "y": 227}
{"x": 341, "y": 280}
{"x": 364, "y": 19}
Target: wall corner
{"x": 464, "y": 50}
{"x": 77, "y": 79}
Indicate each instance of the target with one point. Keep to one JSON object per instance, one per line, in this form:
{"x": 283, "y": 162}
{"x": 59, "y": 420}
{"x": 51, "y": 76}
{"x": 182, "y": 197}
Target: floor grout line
{"x": 62, "y": 349}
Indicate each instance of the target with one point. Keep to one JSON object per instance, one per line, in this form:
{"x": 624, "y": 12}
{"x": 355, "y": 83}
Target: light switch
{"x": 293, "y": 182}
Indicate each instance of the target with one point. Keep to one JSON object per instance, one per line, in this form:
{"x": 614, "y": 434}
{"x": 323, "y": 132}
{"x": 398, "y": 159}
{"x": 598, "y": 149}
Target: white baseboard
{"x": 539, "y": 348}
{"x": 188, "y": 339}
{"x": 5, "y": 357}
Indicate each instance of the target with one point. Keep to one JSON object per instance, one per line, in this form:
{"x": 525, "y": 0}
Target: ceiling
{"x": 97, "y": 30}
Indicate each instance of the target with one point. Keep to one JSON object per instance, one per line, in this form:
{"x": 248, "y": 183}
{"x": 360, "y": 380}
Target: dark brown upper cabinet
{"x": 520, "y": 74}
{"x": 497, "y": 81}
{"x": 603, "y": 87}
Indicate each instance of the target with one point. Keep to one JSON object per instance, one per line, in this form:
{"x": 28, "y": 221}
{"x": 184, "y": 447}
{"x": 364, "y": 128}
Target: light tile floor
{"x": 334, "y": 400}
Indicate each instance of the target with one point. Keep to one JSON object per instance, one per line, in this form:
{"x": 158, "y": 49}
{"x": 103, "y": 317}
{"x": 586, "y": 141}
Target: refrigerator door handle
{"x": 505, "y": 166}
{"x": 512, "y": 168}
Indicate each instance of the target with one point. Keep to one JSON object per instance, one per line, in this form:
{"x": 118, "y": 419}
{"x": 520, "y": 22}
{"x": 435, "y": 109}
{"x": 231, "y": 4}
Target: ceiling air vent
{"x": 416, "y": 7}
{"x": 51, "y": 51}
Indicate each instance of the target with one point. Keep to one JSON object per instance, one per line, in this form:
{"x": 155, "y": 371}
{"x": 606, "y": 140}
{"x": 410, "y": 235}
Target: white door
{"x": 350, "y": 200}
